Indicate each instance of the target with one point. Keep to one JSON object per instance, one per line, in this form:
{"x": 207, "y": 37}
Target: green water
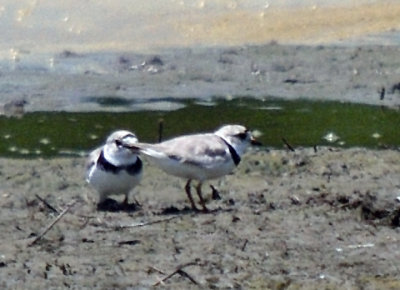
{"x": 301, "y": 123}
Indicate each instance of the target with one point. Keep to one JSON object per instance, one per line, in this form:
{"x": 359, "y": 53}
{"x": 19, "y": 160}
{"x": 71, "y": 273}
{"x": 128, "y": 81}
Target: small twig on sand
{"x": 179, "y": 270}
{"x": 146, "y": 223}
{"x": 185, "y": 274}
{"x": 49, "y": 206}
{"x": 288, "y": 145}
{"x": 154, "y": 269}
{"x": 244, "y": 244}
{"x": 57, "y": 219}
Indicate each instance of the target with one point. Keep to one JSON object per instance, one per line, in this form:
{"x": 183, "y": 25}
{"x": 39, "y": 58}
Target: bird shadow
{"x": 172, "y": 210}
{"x": 111, "y": 205}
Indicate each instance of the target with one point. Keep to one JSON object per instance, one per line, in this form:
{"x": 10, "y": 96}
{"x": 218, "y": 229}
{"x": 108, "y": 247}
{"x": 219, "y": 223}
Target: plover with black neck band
{"x": 113, "y": 169}
{"x": 199, "y": 157}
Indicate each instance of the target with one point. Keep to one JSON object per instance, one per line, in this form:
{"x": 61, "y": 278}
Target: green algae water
{"x": 301, "y": 123}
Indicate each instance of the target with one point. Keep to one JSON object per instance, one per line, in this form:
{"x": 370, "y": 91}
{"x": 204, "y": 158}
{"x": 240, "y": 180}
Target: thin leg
{"x": 125, "y": 202}
{"x": 187, "y": 188}
{"x": 128, "y": 207}
{"x": 202, "y": 201}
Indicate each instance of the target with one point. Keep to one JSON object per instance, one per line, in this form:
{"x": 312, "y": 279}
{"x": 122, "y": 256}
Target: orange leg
{"x": 202, "y": 201}
{"x": 187, "y": 188}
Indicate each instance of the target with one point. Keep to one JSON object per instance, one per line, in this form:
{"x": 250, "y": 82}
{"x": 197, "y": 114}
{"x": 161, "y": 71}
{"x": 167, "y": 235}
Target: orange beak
{"x": 255, "y": 142}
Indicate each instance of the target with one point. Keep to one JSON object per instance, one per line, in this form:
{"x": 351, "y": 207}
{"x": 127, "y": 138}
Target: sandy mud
{"x": 287, "y": 220}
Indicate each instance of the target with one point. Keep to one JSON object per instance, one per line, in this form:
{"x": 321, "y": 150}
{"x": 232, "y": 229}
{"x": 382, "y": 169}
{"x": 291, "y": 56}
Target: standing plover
{"x": 114, "y": 169}
{"x": 199, "y": 157}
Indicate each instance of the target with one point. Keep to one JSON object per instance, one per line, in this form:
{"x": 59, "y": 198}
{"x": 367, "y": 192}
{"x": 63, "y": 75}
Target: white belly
{"x": 107, "y": 183}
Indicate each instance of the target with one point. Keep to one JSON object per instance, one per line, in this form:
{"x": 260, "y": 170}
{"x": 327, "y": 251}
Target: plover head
{"x": 116, "y": 149}
{"x": 239, "y": 137}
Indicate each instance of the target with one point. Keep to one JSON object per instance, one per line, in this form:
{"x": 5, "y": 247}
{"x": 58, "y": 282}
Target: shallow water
{"x": 301, "y": 123}
{"x": 32, "y": 26}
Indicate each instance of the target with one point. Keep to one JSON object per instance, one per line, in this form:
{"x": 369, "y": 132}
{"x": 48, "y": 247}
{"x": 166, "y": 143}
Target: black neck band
{"x": 234, "y": 154}
{"x": 107, "y": 166}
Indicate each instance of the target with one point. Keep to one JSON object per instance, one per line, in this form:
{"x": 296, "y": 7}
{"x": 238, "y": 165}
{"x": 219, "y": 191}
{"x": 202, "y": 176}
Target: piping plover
{"x": 200, "y": 156}
{"x": 113, "y": 168}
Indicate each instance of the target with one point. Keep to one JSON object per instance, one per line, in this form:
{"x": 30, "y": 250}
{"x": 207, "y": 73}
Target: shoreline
{"x": 326, "y": 51}
{"x": 333, "y": 73}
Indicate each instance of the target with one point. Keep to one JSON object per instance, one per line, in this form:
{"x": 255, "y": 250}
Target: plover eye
{"x": 242, "y": 136}
{"x": 118, "y": 143}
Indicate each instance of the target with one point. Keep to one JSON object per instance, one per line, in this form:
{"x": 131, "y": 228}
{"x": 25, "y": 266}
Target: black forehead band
{"x": 128, "y": 135}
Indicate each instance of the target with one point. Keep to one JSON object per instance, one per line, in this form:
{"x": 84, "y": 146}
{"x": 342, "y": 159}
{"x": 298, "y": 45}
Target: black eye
{"x": 118, "y": 143}
{"x": 242, "y": 136}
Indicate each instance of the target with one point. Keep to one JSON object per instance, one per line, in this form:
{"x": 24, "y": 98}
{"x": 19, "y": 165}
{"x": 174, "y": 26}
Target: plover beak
{"x": 128, "y": 143}
{"x": 255, "y": 142}
{"x": 132, "y": 147}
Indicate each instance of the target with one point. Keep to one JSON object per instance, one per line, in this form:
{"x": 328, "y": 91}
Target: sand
{"x": 293, "y": 220}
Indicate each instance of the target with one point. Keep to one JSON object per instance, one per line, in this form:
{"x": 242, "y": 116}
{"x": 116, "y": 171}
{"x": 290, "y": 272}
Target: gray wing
{"x": 91, "y": 160}
{"x": 205, "y": 150}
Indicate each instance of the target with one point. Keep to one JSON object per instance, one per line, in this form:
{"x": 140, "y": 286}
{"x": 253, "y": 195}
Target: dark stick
{"x": 152, "y": 268}
{"x": 46, "y": 204}
{"x": 160, "y": 129}
{"x": 185, "y": 274}
{"x": 244, "y": 244}
{"x": 57, "y": 219}
{"x": 179, "y": 270}
{"x": 287, "y": 144}
{"x": 382, "y": 93}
